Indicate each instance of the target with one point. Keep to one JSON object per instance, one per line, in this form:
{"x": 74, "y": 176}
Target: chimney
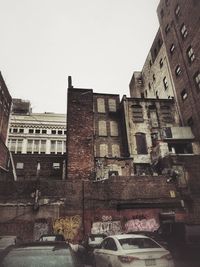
{"x": 70, "y": 82}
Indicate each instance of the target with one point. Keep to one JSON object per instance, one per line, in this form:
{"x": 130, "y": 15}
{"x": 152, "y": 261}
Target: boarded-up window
{"x": 112, "y": 105}
{"x": 101, "y": 105}
{"x": 141, "y": 143}
{"x": 137, "y": 113}
{"x": 153, "y": 116}
{"x": 166, "y": 114}
{"x": 103, "y": 150}
{"x": 114, "y": 128}
{"x": 115, "y": 150}
{"x": 102, "y": 128}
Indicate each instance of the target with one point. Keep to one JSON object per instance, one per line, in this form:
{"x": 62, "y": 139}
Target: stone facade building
{"x": 37, "y": 142}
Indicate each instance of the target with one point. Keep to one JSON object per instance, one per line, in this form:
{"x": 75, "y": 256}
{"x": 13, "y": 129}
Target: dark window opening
{"x": 180, "y": 148}
{"x": 141, "y": 143}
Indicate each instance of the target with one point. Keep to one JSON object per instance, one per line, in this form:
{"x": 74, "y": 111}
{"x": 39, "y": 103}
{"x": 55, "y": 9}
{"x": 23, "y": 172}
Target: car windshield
{"x": 95, "y": 240}
{"x": 38, "y": 257}
{"x": 135, "y": 243}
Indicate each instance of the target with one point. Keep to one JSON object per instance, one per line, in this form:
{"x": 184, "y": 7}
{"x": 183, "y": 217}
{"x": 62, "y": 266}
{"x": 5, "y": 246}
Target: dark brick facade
{"x": 80, "y": 137}
{"x": 180, "y": 27}
{"x": 5, "y": 106}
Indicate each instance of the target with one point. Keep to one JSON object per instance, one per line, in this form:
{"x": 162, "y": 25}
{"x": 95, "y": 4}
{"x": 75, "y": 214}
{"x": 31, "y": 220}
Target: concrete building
{"x": 5, "y": 107}
{"x": 180, "y": 29}
{"x": 37, "y": 142}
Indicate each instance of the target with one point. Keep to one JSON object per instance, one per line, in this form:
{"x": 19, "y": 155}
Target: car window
{"x": 95, "y": 240}
{"x": 109, "y": 244}
{"x": 135, "y": 243}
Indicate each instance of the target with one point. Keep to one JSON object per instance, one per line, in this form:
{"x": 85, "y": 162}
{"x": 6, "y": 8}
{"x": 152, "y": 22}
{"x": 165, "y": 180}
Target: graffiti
{"x": 40, "y": 228}
{"x": 67, "y": 226}
{"x": 106, "y": 218}
{"x": 141, "y": 225}
{"x": 106, "y": 227}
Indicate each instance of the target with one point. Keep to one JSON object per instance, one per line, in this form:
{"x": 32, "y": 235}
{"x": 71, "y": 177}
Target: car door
{"x": 105, "y": 256}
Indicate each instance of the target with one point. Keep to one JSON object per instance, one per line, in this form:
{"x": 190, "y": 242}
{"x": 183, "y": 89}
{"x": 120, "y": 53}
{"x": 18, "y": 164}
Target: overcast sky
{"x": 100, "y": 43}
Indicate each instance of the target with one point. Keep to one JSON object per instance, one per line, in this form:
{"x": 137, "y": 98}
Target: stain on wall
{"x": 68, "y": 226}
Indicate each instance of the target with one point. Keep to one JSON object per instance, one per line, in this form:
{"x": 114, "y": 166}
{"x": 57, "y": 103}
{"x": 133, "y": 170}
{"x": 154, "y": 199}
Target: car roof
{"x": 43, "y": 244}
{"x": 122, "y": 236}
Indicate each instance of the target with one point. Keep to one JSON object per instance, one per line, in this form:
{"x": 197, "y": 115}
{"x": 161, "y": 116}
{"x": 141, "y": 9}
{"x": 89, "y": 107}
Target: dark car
{"x": 40, "y": 254}
{"x": 88, "y": 245}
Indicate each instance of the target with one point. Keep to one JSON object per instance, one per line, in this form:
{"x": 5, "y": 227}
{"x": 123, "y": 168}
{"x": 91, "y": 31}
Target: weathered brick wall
{"x": 4, "y": 155}
{"x": 30, "y": 165}
{"x": 80, "y": 130}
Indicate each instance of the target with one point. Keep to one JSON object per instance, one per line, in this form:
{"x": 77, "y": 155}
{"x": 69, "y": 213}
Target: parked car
{"x": 40, "y": 254}
{"x": 154, "y": 235}
{"x": 52, "y": 237}
{"x": 133, "y": 251}
{"x": 8, "y": 240}
{"x": 88, "y": 245}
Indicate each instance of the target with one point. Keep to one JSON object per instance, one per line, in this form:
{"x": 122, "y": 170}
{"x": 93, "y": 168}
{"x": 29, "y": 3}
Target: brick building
{"x": 180, "y": 29}
{"x": 5, "y": 107}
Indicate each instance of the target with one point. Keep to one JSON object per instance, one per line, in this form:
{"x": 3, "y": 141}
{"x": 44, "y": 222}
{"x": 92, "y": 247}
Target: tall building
{"x": 37, "y": 142}
{"x": 5, "y": 107}
{"x": 180, "y": 29}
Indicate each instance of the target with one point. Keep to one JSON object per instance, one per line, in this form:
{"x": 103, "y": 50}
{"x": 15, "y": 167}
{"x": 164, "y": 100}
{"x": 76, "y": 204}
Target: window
{"x": 165, "y": 83}
{"x": 197, "y": 80}
{"x": 15, "y": 130}
{"x": 172, "y": 48}
{"x": 177, "y": 11}
{"x": 102, "y": 128}
{"x": 184, "y": 31}
{"x": 167, "y": 28}
{"x": 31, "y": 131}
{"x": 184, "y": 94}
{"x": 137, "y": 113}
{"x": 37, "y": 131}
{"x": 53, "y": 131}
{"x": 29, "y": 146}
{"x": 101, "y": 105}
{"x": 149, "y": 86}
{"x": 43, "y": 146}
{"x": 178, "y": 70}
{"x": 21, "y": 130}
{"x": 19, "y": 165}
{"x": 141, "y": 143}
{"x": 161, "y": 63}
{"x": 112, "y": 105}
{"x": 56, "y": 165}
{"x": 44, "y": 131}
{"x": 19, "y": 145}
{"x": 115, "y": 150}
{"x": 103, "y": 150}
{"x": 53, "y": 147}
{"x": 36, "y": 146}
{"x": 114, "y": 128}
{"x": 154, "y": 77}
{"x": 190, "y": 54}
{"x": 109, "y": 244}
{"x": 59, "y": 132}
{"x": 59, "y": 147}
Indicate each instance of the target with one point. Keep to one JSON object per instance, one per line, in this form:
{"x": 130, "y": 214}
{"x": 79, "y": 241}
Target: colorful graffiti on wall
{"x": 67, "y": 226}
{"x": 141, "y": 225}
{"x": 106, "y": 226}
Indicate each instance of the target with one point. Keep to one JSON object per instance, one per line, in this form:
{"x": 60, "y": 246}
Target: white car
{"x": 129, "y": 250}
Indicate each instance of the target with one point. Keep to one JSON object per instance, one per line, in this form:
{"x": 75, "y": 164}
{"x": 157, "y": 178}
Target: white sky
{"x": 97, "y": 42}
